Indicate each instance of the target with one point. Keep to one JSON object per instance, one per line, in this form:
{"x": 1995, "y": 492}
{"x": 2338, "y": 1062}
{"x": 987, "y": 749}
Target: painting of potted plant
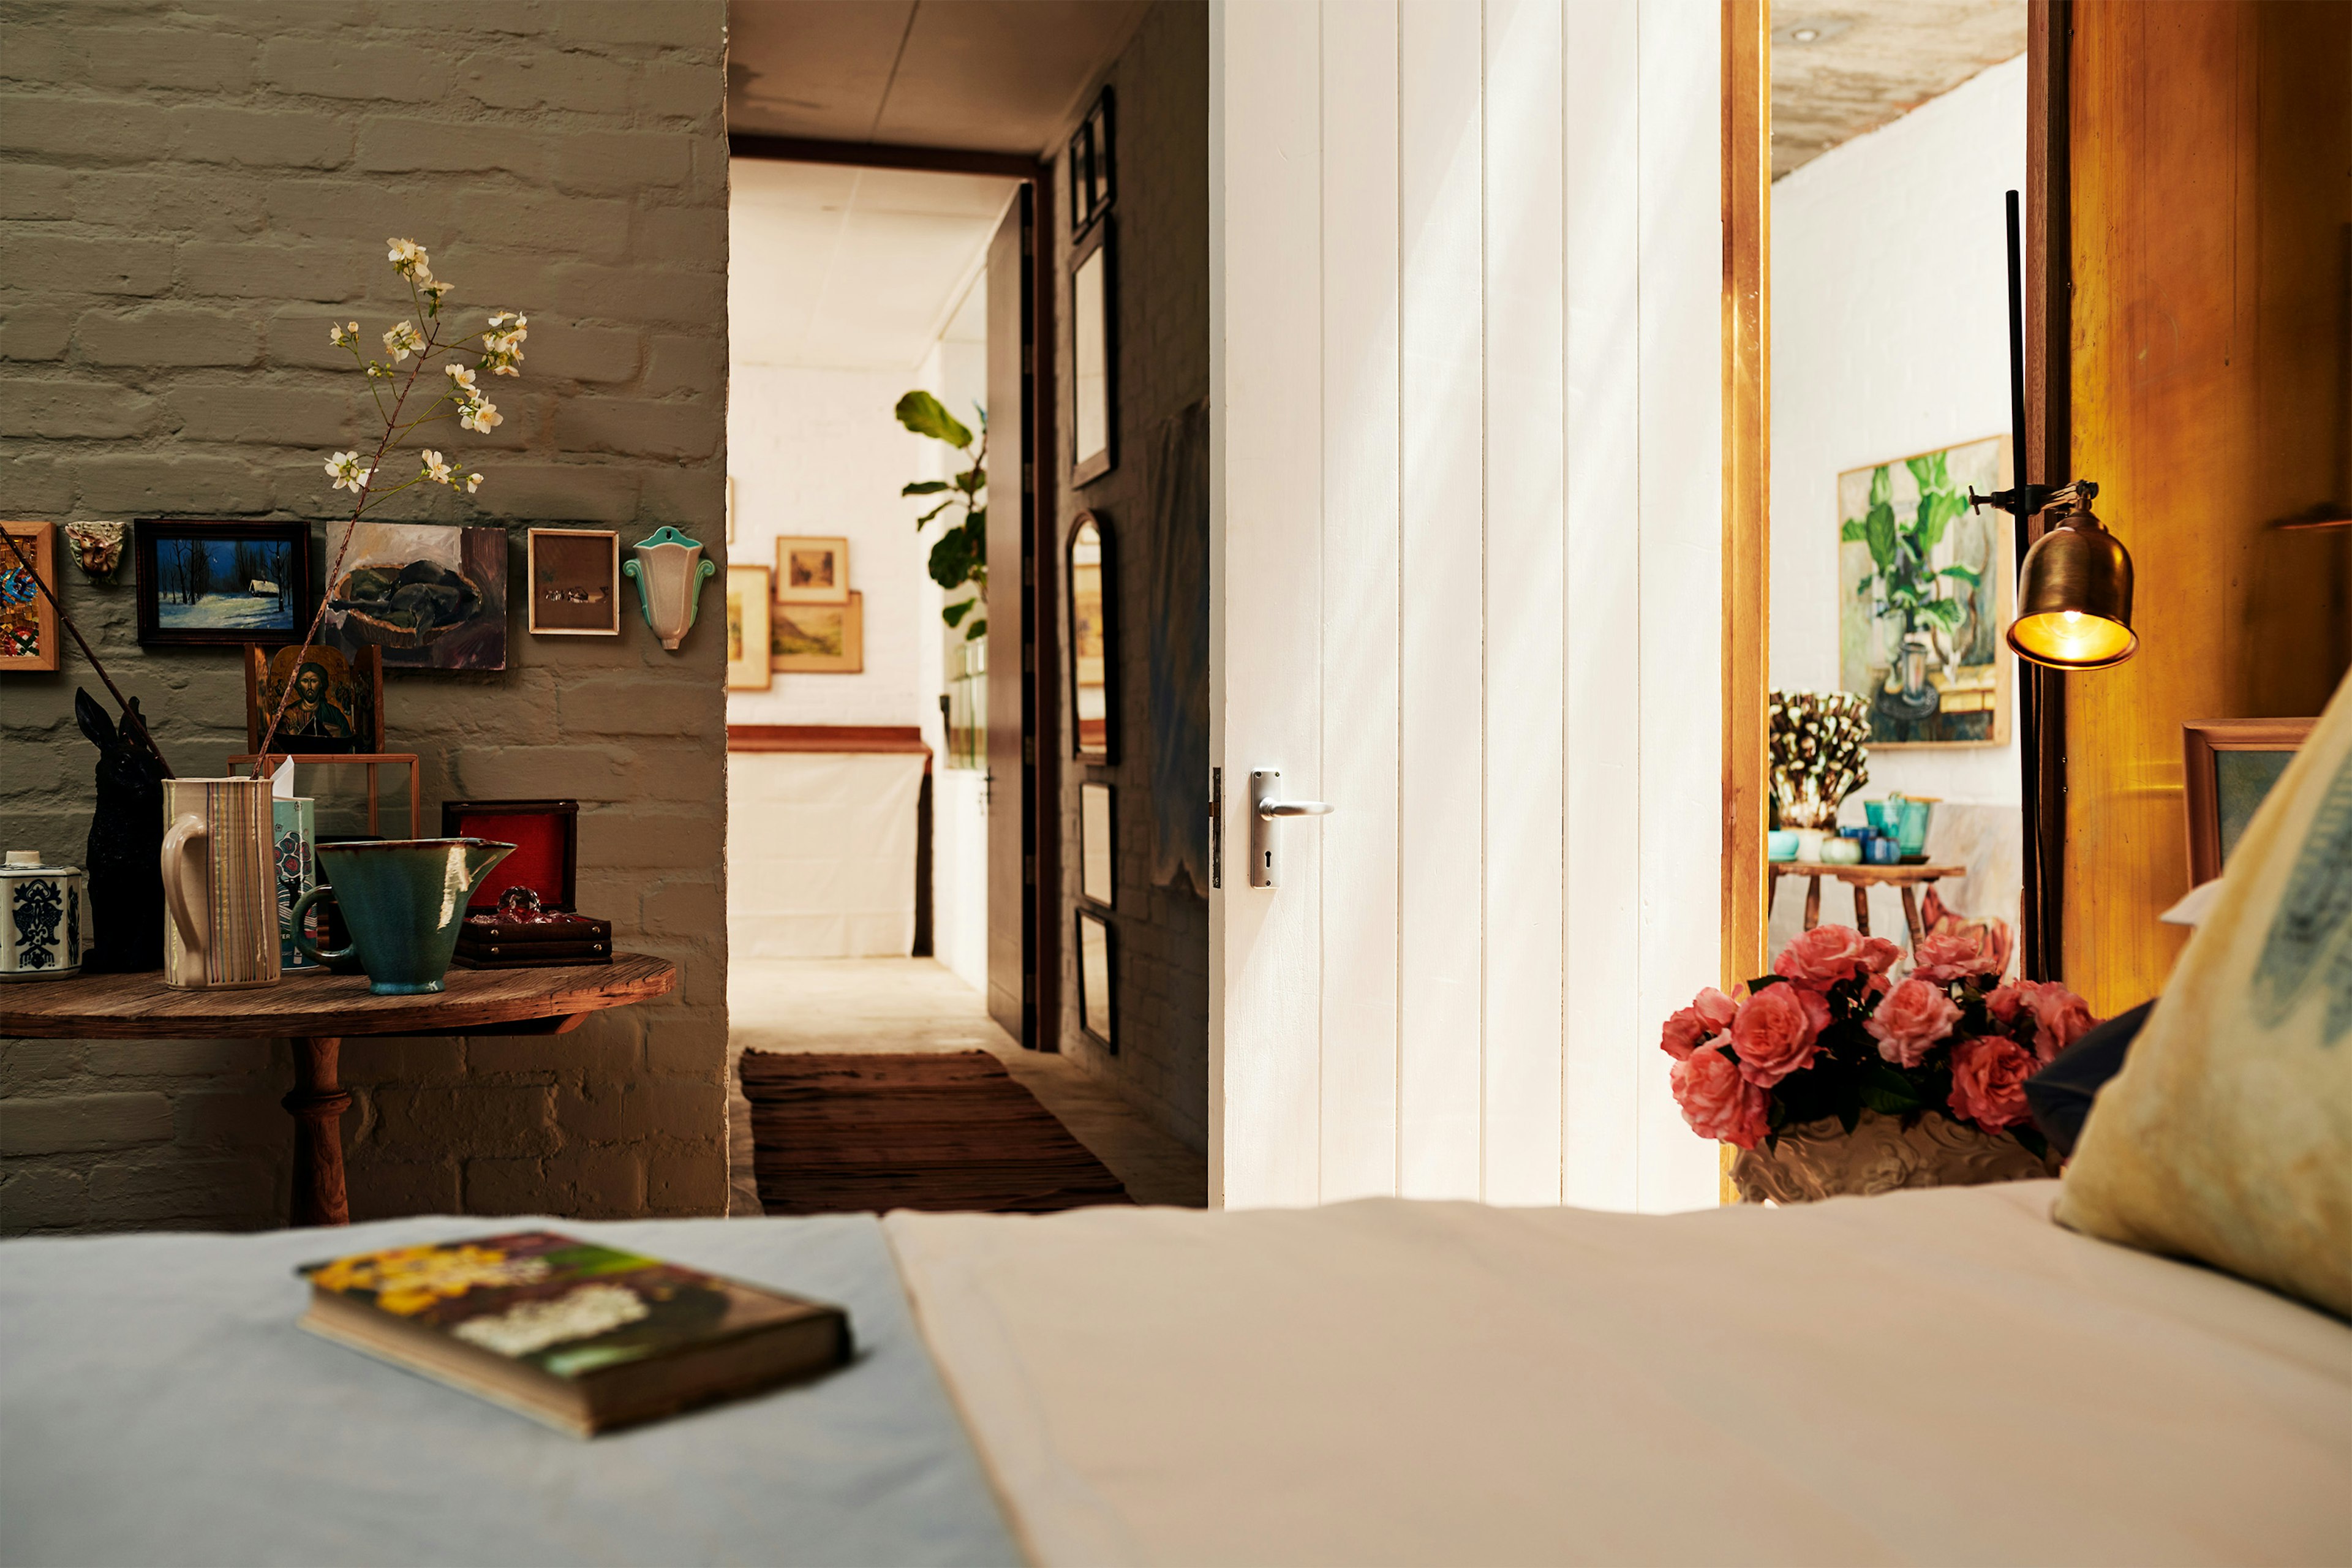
{"x": 1922, "y": 595}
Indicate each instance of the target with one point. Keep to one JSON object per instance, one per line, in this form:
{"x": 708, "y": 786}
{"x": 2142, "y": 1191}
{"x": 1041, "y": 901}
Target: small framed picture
{"x": 812, "y": 570}
{"x": 1096, "y": 880}
{"x": 818, "y": 640}
{"x": 335, "y": 708}
{"x": 28, "y": 622}
{"x": 1094, "y": 402}
{"x": 2231, "y": 765}
{"x": 208, "y": 583}
{"x": 575, "y": 582}
{"x": 748, "y": 629}
{"x": 1095, "y": 1015}
{"x": 1091, "y": 166}
{"x": 730, "y": 509}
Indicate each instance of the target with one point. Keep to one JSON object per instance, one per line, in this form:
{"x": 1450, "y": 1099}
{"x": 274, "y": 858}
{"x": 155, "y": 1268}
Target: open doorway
{"x": 896, "y": 715}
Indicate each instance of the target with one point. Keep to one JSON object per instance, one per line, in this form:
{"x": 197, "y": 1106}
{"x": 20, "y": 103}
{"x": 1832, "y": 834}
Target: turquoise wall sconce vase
{"x": 669, "y": 571}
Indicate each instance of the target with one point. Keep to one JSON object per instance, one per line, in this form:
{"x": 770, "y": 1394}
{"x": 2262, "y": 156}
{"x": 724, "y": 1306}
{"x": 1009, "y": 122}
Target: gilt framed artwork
{"x": 336, "y": 706}
{"x": 748, "y": 631}
{"x": 812, "y": 570}
{"x": 208, "y": 583}
{"x": 431, "y": 597}
{"x": 28, "y": 622}
{"x": 575, "y": 582}
{"x": 2230, "y": 766}
{"x": 818, "y": 640}
{"x": 1923, "y": 596}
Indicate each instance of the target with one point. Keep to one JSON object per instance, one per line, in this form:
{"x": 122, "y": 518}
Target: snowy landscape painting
{"x": 223, "y": 583}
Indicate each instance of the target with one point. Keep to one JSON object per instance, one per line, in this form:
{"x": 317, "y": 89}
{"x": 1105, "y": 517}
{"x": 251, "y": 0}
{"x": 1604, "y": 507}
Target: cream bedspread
{"x": 1941, "y": 1377}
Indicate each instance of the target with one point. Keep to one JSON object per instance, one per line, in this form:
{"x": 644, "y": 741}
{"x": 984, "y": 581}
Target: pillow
{"x": 2227, "y": 1135}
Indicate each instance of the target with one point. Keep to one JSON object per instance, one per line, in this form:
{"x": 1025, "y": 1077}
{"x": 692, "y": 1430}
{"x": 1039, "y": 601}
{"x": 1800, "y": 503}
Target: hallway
{"x": 852, "y": 1004}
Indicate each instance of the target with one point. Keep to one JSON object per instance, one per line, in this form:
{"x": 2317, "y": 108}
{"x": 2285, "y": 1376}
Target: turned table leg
{"x": 1862, "y": 908}
{"x": 1911, "y": 915}
{"x": 317, "y": 1105}
{"x": 1812, "y": 901}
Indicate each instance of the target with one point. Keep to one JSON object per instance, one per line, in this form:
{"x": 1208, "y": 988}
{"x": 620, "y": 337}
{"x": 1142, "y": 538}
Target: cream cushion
{"x": 2227, "y": 1137}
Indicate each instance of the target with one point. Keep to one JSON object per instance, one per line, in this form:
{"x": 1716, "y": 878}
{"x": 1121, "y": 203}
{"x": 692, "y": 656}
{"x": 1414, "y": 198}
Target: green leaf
{"x": 954, "y": 613}
{"x": 934, "y": 512}
{"x": 977, "y": 630}
{"x": 1921, "y": 474}
{"x": 1881, "y": 489}
{"x": 1945, "y": 612}
{"x": 1851, "y": 532}
{"x": 971, "y": 480}
{"x": 1967, "y": 575}
{"x": 1879, "y": 531}
{"x": 1935, "y": 512}
{"x": 924, "y": 415}
{"x": 1886, "y": 1090}
{"x": 925, "y": 488}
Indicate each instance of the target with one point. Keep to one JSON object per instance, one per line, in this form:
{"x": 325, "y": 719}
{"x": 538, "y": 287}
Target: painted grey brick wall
{"x": 1160, "y": 87}
{"x": 188, "y": 193}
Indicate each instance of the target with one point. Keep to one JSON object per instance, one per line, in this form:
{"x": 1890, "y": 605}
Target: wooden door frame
{"x": 1041, "y": 818}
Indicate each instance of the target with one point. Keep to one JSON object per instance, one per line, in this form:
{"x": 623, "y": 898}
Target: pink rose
{"x": 2059, "y": 1018}
{"x": 1775, "y": 1032}
{"x": 1914, "y": 1016}
{"x": 1708, "y": 1015}
{"x": 1988, "y": 1076}
{"x": 1716, "y": 1101}
{"x": 1827, "y": 954}
{"x": 1948, "y": 956}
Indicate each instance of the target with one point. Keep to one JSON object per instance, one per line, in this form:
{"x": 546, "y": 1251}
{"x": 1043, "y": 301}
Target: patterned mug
{"x": 220, "y": 888}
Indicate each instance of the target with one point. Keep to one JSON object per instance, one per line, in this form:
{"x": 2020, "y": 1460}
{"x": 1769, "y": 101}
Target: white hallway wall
{"x": 1466, "y": 266}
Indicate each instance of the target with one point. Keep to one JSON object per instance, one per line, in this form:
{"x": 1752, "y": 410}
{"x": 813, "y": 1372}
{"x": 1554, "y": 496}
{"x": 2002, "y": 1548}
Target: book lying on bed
{"x": 580, "y": 1336}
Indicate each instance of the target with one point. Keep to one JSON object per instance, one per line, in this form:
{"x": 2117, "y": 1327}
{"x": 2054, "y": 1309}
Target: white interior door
{"x": 1466, "y": 541}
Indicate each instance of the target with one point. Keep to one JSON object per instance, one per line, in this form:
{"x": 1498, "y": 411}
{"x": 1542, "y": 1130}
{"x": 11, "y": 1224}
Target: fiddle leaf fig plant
{"x": 1901, "y": 581}
{"x": 960, "y": 556}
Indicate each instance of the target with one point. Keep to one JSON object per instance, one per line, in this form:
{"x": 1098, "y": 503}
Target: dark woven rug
{"x": 939, "y": 1129}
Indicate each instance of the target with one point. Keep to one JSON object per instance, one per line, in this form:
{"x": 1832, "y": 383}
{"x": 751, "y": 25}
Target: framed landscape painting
{"x": 1923, "y": 596}
{"x": 28, "y": 622}
{"x": 812, "y": 570}
{"x": 430, "y": 597}
{"x": 748, "y": 635}
{"x": 818, "y": 640}
{"x": 207, "y": 584}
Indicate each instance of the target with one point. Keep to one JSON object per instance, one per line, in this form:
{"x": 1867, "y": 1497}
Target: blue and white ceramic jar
{"x": 40, "y": 918}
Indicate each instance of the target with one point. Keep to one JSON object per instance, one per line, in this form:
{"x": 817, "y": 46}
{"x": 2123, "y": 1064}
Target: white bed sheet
{"x": 1934, "y": 1377}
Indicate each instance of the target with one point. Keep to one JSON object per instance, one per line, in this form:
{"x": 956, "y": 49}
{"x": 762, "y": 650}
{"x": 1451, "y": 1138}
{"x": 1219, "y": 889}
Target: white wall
{"x": 818, "y": 452}
{"x": 1890, "y": 336}
{"x": 1466, "y": 274}
{"x": 956, "y": 372}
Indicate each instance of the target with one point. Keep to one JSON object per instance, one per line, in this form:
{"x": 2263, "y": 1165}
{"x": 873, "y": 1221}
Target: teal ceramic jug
{"x": 403, "y": 901}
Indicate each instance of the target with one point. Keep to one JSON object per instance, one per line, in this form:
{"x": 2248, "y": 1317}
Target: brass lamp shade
{"x": 2073, "y": 598}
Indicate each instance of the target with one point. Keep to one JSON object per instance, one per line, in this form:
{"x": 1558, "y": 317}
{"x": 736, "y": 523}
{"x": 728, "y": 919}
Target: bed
{"x": 1926, "y": 1377}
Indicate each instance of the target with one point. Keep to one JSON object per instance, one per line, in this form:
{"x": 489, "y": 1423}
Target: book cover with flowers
{"x": 565, "y": 1307}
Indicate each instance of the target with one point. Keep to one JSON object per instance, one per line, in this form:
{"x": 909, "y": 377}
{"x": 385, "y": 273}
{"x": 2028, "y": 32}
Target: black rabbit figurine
{"x": 126, "y": 849}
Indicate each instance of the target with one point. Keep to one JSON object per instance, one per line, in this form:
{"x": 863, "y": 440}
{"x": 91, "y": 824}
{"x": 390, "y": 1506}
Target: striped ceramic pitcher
{"x": 220, "y": 887}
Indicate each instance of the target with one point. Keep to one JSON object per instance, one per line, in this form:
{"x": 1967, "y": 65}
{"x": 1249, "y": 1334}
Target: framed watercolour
{"x": 546, "y": 836}
{"x": 28, "y": 622}
{"x": 818, "y": 640}
{"x": 1091, "y": 166}
{"x": 1093, "y": 677}
{"x": 1095, "y": 1015}
{"x": 575, "y": 582}
{"x": 749, "y": 633}
{"x": 337, "y": 705}
{"x": 1095, "y": 879}
{"x": 812, "y": 570}
{"x": 209, "y": 584}
{"x": 431, "y": 597}
{"x": 1922, "y": 591}
{"x": 2231, "y": 765}
{"x": 1093, "y": 400}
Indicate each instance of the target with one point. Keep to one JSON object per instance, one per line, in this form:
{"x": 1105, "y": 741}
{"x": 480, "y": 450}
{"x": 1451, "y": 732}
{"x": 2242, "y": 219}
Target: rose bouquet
{"x": 1829, "y": 1033}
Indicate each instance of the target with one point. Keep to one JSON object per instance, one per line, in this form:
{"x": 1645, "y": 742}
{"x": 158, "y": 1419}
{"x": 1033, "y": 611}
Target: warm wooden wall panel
{"x": 2212, "y": 166}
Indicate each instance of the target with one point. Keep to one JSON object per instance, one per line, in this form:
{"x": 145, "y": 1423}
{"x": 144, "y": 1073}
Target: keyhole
{"x": 1269, "y": 859}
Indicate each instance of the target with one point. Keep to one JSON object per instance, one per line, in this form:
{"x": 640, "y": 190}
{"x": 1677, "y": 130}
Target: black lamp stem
{"x": 2023, "y": 505}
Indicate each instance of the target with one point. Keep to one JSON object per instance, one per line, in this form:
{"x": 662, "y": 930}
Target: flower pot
{"x": 1821, "y": 1160}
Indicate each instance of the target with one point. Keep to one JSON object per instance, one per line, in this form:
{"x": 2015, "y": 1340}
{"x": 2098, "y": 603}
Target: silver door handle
{"x": 1267, "y": 808}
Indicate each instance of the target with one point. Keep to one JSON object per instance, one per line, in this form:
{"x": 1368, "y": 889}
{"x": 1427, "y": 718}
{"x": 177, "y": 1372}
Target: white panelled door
{"x": 1464, "y": 577}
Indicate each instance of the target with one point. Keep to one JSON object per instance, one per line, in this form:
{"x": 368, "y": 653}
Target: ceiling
{"x": 1843, "y": 68}
{"x": 999, "y": 75}
{"x": 851, "y": 269}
